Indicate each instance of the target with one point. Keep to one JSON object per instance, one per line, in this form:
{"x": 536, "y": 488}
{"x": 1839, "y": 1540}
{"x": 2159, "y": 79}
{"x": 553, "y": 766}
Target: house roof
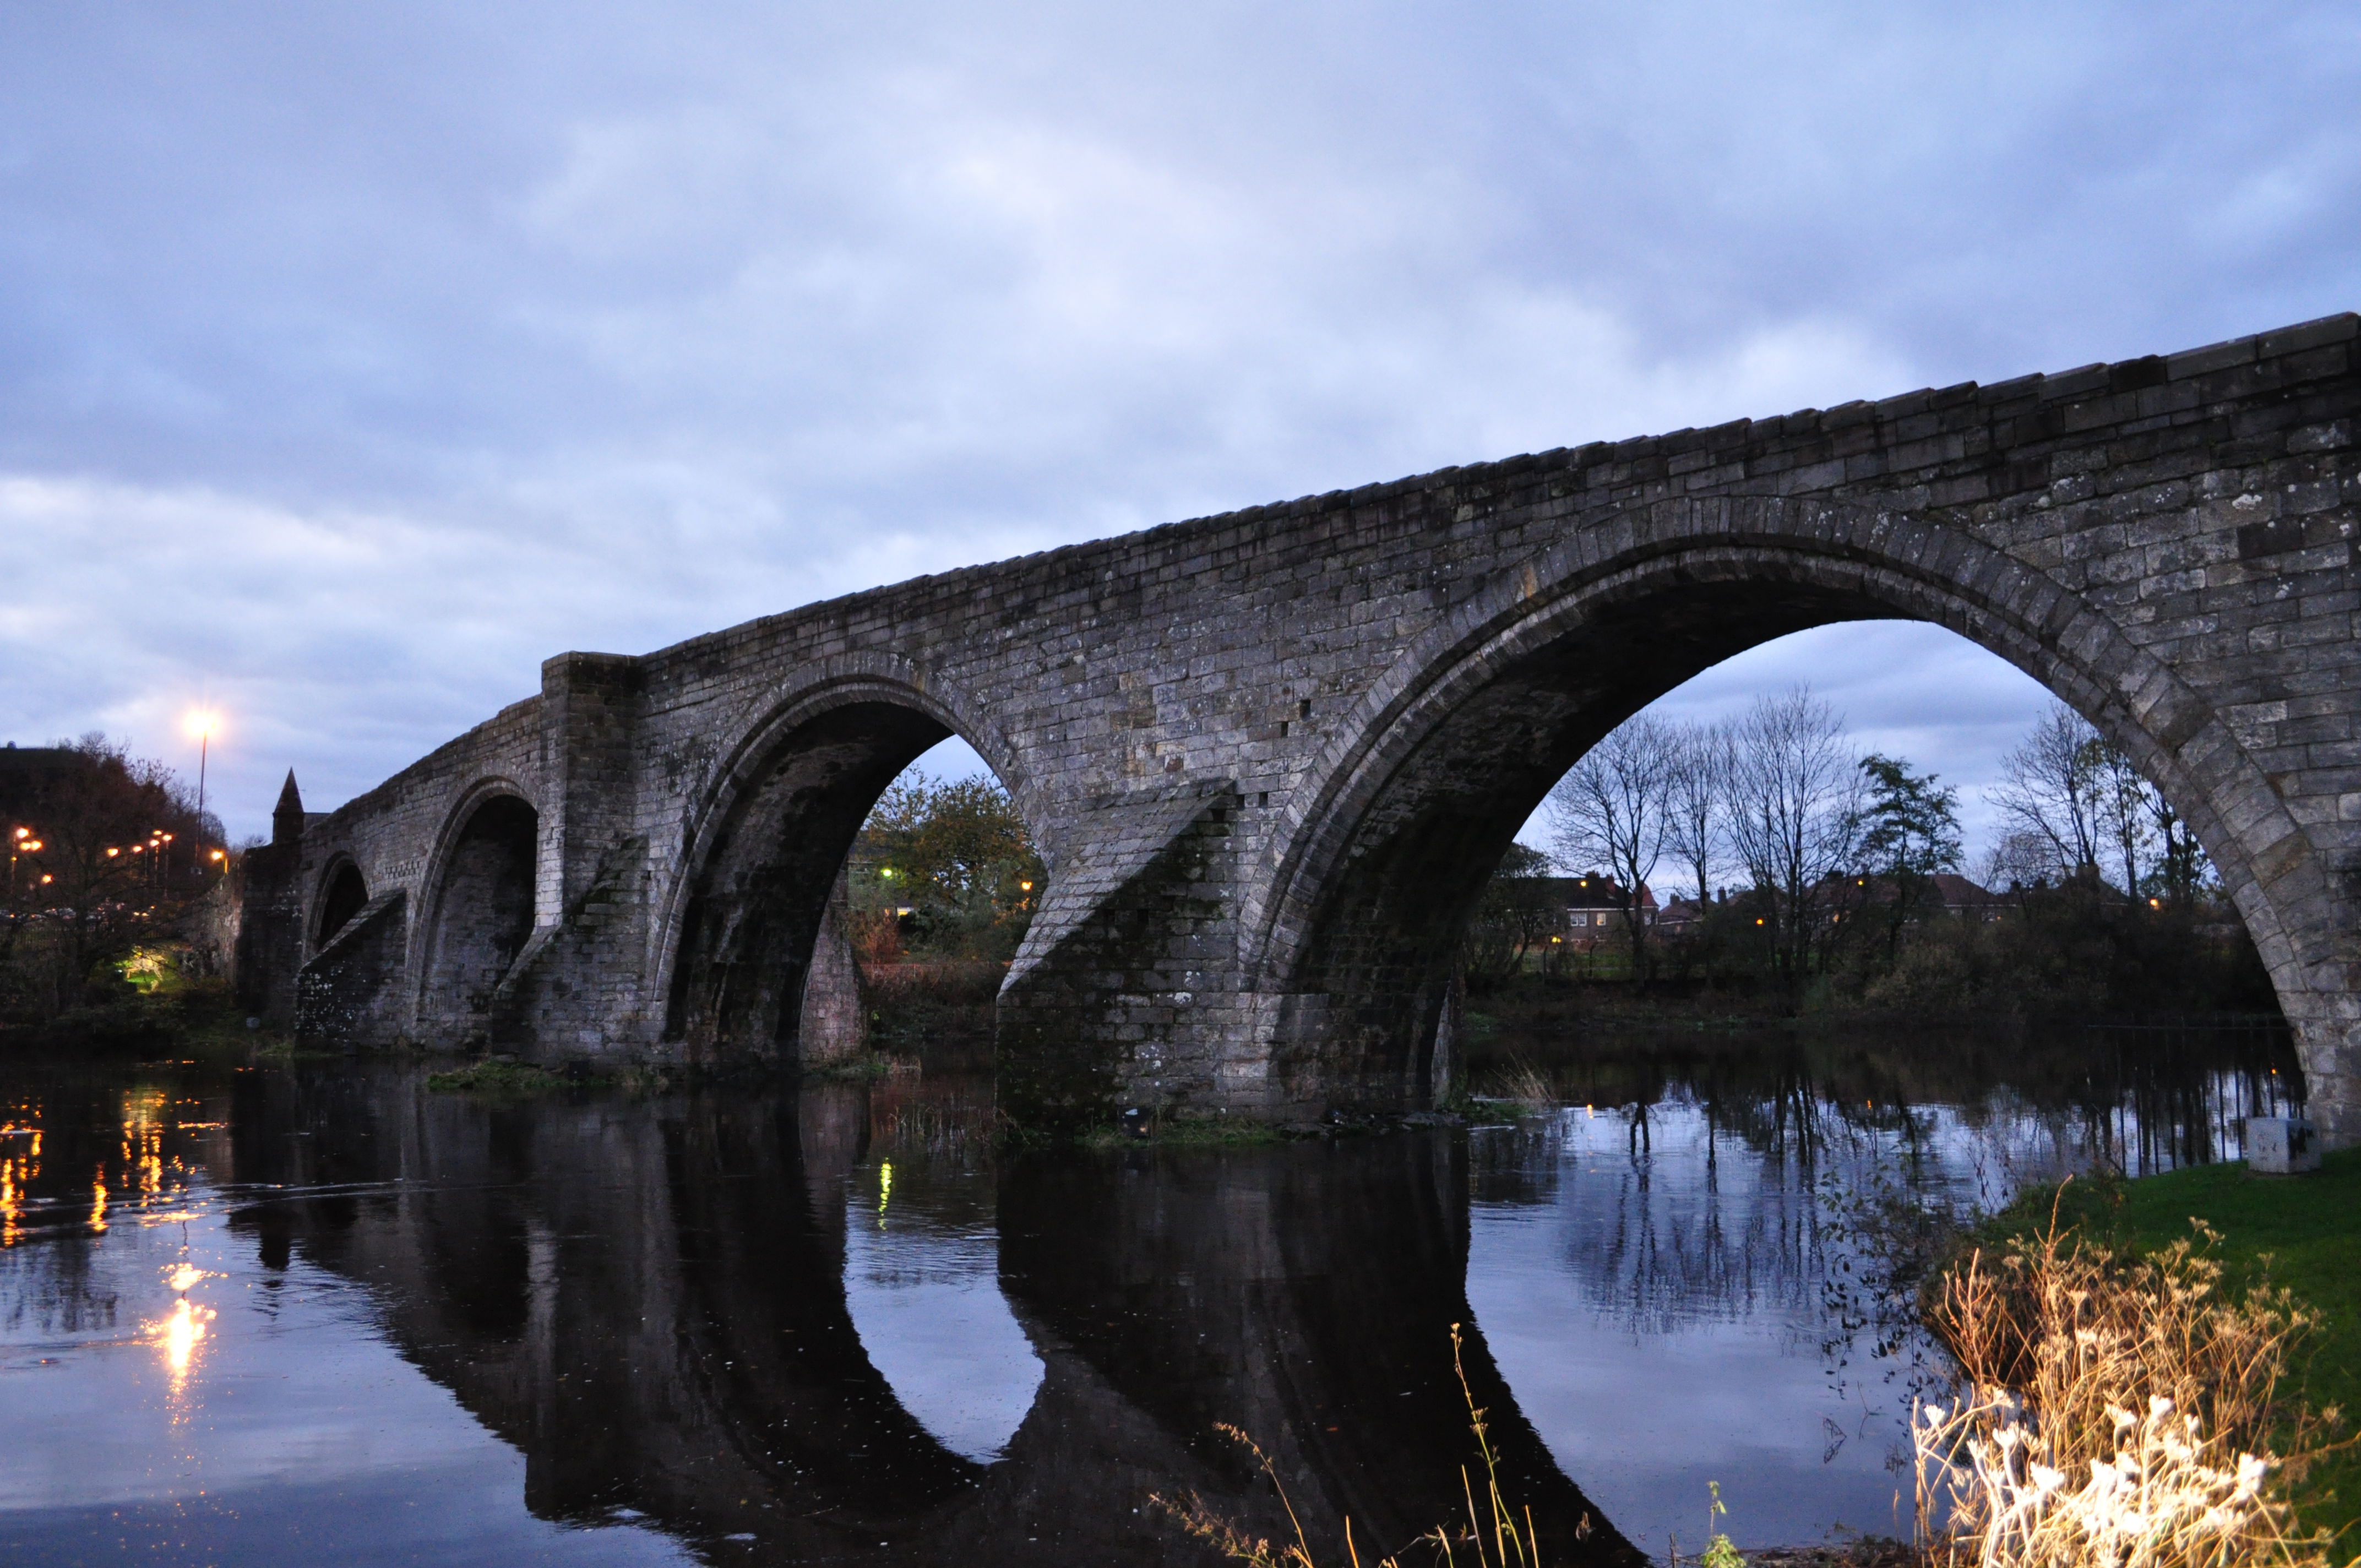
{"x": 1595, "y": 891}
{"x": 1959, "y": 893}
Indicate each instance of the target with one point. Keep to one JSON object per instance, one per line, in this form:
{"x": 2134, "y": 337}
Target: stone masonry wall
{"x": 2168, "y": 541}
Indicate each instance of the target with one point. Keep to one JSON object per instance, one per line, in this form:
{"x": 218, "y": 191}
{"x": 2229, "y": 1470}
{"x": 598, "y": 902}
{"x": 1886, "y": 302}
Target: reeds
{"x": 1497, "y": 1534}
{"x": 956, "y": 1130}
{"x": 1525, "y": 1086}
{"x": 2114, "y": 1412}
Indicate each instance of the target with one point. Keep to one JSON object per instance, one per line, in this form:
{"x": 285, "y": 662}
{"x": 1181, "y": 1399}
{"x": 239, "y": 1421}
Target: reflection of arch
{"x": 770, "y": 832}
{"x": 343, "y": 894}
{"x": 1418, "y": 794}
{"x": 480, "y": 909}
{"x": 929, "y": 1308}
{"x": 1305, "y": 1294}
{"x": 696, "y": 1363}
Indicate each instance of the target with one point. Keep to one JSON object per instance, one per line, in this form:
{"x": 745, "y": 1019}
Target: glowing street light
{"x": 201, "y": 724}
{"x": 21, "y": 842}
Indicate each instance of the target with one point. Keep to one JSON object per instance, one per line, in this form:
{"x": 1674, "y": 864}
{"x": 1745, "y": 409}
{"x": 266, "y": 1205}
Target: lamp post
{"x": 20, "y": 842}
{"x": 204, "y": 745}
{"x": 202, "y": 722}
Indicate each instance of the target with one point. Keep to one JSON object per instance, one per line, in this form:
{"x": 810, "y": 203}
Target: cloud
{"x": 354, "y": 359}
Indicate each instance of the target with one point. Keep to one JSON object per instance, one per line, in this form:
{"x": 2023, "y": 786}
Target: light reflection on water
{"x": 318, "y": 1315}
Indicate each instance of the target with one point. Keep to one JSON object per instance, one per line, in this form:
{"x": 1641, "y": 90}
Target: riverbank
{"x": 1540, "y": 1005}
{"x": 2305, "y": 1230}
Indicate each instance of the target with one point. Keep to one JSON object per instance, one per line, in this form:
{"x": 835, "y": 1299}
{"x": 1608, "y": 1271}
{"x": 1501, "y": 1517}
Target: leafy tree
{"x": 2182, "y": 871}
{"x": 1909, "y": 832}
{"x": 1518, "y": 913}
{"x": 2120, "y": 800}
{"x": 957, "y": 854}
{"x": 105, "y": 874}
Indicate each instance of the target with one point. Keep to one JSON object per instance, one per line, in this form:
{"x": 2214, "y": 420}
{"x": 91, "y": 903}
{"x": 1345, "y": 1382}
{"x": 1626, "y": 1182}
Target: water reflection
{"x": 329, "y": 1313}
{"x": 922, "y": 1285}
{"x": 1679, "y": 1251}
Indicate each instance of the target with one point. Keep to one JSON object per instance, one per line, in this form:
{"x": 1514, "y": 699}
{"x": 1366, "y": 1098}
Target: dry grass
{"x": 2114, "y": 1412}
{"x": 1525, "y": 1086}
{"x": 1496, "y": 1533}
{"x": 903, "y": 1121}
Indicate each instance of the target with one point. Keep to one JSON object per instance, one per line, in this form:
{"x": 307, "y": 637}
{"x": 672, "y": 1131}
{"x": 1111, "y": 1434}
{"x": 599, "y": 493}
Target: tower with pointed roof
{"x": 287, "y": 816}
{"x": 270, "y": 947}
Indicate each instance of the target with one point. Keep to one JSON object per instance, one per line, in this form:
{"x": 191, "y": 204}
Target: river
{"x": 317, "y": 1311}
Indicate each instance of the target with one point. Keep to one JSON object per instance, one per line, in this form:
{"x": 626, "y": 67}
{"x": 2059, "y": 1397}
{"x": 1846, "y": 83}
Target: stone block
{"x": 2281, "y": 1146}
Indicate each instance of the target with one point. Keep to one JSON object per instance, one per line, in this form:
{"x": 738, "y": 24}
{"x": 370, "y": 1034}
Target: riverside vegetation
{"x": 2122, "y": 1395}
{"x": 111, "y": 929}
{"x": 1840, "y": 893}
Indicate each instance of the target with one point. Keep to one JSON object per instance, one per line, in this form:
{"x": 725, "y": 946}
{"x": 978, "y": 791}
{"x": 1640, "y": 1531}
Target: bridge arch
{"x": 1381, "y": 857}
{"x": 480, "y": 894}
{"x": 769, "y": 834}
{"x": 343, "y": 893}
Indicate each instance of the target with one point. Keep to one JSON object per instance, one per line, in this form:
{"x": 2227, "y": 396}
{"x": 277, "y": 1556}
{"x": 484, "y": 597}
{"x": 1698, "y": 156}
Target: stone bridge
{"x": 1270, "y": 757}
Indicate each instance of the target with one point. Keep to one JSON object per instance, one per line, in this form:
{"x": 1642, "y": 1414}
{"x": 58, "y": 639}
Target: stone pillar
{"x": 589, "y": 706}
{"x": 1126, "y": 993}
{"x": 834, "y": 1026}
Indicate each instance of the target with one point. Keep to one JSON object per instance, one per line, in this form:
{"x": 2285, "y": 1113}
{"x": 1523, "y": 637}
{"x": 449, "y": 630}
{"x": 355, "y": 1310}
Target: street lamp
{"x": 201, "y": 724}
{"x": 20, "y": 842}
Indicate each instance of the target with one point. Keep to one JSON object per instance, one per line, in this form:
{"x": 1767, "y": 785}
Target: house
{"x": 1594, "y": 907}
{"x": 1965, "y": 899}
{"x": 1945, "y": 893}
{"x": 1680, "y": 917}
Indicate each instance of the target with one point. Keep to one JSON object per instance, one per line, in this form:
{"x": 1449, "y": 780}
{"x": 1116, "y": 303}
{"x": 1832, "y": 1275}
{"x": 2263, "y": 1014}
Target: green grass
{"x": 2309, "y": 1229}
{"x": 867, "y": 1067}
{"x": 1188, "y": 1132}
{"x": 490, "y": 1077}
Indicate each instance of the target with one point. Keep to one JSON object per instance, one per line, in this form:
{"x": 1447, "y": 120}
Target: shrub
{"x": 2114, "y": 1412}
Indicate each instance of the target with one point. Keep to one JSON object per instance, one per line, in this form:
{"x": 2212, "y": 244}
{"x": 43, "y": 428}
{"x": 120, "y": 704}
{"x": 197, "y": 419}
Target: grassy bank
{"x": 2306, "y": 1229}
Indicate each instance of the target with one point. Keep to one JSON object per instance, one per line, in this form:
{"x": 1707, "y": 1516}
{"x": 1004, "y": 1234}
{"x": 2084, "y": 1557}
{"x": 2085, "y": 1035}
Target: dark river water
{"x": 309, "y": 1313}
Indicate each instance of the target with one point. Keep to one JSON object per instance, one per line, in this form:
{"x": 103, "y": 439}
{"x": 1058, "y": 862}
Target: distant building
{"x": 1680, "y": 917}
{"x": 1966, "y": 900}
{"x": 1945, "y": 892}
{"x": 1594, "y": 907}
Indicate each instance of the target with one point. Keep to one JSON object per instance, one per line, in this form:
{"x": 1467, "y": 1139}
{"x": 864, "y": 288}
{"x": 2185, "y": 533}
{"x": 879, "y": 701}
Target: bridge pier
{"x": 1269, "y": 757}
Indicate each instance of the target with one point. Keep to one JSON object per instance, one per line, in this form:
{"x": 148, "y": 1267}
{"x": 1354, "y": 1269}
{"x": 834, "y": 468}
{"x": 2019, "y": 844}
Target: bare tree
{"x": 2079, "y": 796}
{"x": 2181, "y": 866}
{"x": 2123, "y": 806}
{"x": 1796, "y": 803}
{"x": 2050, "y": 789}
{"x": 2019, "y": 858}
{"x": 1698, "y": 762}
{"x": 1610, "y": 811}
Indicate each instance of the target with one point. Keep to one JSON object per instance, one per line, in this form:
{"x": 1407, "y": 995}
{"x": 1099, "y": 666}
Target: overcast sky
{"x": 354, "y": 358}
